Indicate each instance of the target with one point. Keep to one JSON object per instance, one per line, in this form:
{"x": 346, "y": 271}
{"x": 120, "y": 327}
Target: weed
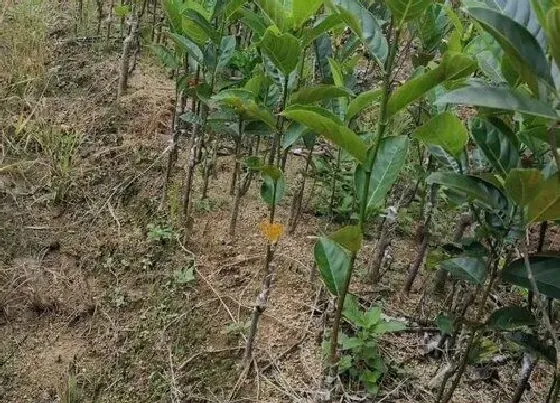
{"x": 157, "y": 233}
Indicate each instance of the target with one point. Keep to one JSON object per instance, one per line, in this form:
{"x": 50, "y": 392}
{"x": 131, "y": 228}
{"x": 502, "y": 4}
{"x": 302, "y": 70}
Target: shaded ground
{"x": 82, "y": 286}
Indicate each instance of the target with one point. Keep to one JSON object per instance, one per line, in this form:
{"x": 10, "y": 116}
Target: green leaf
{"x": 173, "y": 12}
{"x": 187, "y": 46}
{"x": 372, "y": 316}
{"x": 323, "y": 122}
{"x": 165, "y": 56}
{"x": 511, "y": 317}
{"x": 406, "y": 10}
{"x": 522, "y": 185}
{"x": 352, "y": 312}
{"x": 302, "y": 10}
{"x": 256, "y": 22}
{"x": 227, "y": 49}
{"x": 445, "y": 130}
{"x": 471, "y": 269}
{"x": 499, "y": 98}
{"x": 553, "y": 32}
{"x": 198, "y": 29}
{"x": 361, "y": 102}
{"x": 365, "y": 25}
{"x": 546, "y": 204}
{"x": 389, "y": 327}
{"x": 349, "y": 237}
{"x": 496, "y": 144}
{"x": 446, "y": 323}
{"x": 533, "y": 344}
{"x": 232, "y": 7}
{"x": 545, "y": 269}
{"x": 283, "y": 50}
{"x": 391, "y": 157}
{"x": 334, "y": 264}
{"x": 521, "y": 46}
{"x": 271, "y": 187}
{"x": 453, "y": 67}
{"x": 473, "y": 188}
{"x": 241, "y": 100}
{"x": 319, "y": 93}
{"x": 275, "y": 11}
{"x": 325, "y": 25}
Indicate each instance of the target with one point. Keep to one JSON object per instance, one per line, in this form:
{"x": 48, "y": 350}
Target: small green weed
{"x": 158, "y": 233}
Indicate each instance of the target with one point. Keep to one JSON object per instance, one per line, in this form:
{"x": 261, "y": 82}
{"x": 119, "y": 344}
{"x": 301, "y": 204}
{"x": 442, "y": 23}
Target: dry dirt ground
{"x": 84, "y": 290}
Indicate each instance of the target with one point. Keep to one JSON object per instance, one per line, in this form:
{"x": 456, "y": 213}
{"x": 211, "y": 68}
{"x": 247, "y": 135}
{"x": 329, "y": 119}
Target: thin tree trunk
{"x": 209, "y": 167}
{"x": 125, "y": 57}
{"x": 297, "y": 202}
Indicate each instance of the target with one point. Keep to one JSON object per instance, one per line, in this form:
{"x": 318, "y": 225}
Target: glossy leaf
{"x": 227, "y": 49}
{"x": 275, "y": 11}
{"x": 471, "y": 269}
{"x": 198, "y": 29}
{"x": 496, "y": 144}
{"x": 242, "y": 101}
{"x": 445, "y": 130}
{"x": 534, "y": 345}
{"x": 323, "y": 26}
{"x": 165, "y": 56}
{"x": 282, "y": 49}
{"x": 323, "y": 122}
{"x": 319, "y": 93}
{"x": 517, "y": 42}
{"x": 511, "y": 317}
{"x": 333, "y": 262}
{"x": 453, "y": 67}
{"x": 302, "y": 10}
{"x": 499, "y": 98}
{"x": 272, "y": 188}
{"x": 553, "y": 32}
{"x": 474, "y": 189}
{"x": 365, "y": 25}
{"x": 391, "y": 157}
{"x": 349, "y": 237}
{"x": 187, "y": 46}
{"x": 522, "y": 185}
{"x": 546, "y": 204}
{"x": 545, "y": 269}
{"x": 406, "y": 10}
{"x": 361, "y": 102}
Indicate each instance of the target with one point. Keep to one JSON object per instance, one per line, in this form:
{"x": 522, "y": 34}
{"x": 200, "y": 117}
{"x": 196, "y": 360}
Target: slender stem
{"x": 279, "y": 123}
{"x": 363, "y": 202}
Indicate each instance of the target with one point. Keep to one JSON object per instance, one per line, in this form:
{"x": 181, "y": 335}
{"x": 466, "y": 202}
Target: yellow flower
{"x": 271, "y": 231}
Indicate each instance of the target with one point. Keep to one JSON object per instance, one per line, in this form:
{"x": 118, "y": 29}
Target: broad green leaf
{"x": 198, "y": 28}
{"x": 272, "y": 189}
{"x": 499, "y": 98}
{"x": 522, "y": 47}
{"x": 546, "y": 204}
{"x": 553, "y": 32}
{"x": 349, "y": 237}
{"x": 474, "y": 189}
{"x": 522, "y": 185}
{"x": 227, "y": 49}
{"x": 454, "y": 42}
{"x": 406, "y": 10}
{"x": 392, "y": 326}
{"x": 372, "y": 316}
{"x": 232, "y": 6}
{"x": 391, "y": 157}
{"x": 541, "y": 8}
{"x": 187, "y": 46}
{"x": 293, "y": 133}
{"x": 352, "y": 312}
{"x": 361, "y": 102}
{"x": 321, "y": 92}
{"x": 282, "y": 49}
{"x": 545, "y": 269}
{"x": 334, "y": 264}
{"x": 302, "y": 10}
{"x": 256, "y": 22}
{"x": 453, "y": 67}
{"x": 511, "y": 317}
{"x": 498, "y": 145}
{"x": 365, "y": 25}
{"x": 445, "y": 130}
{"x": 165, "y": 56}
{"x": 275, "y": 11}
{"x": 446, "y": 323}
{"x": 489, "y": 55}
{"x": 173, "y": 11}
{"x": 324, "y": 123}
{"x": 471, "y": 269}
{"x": 325, "y": 25}
{"x": 533, "y": 344}
{"x": 433, "y": 27}
{"x": 242, "y": 101}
